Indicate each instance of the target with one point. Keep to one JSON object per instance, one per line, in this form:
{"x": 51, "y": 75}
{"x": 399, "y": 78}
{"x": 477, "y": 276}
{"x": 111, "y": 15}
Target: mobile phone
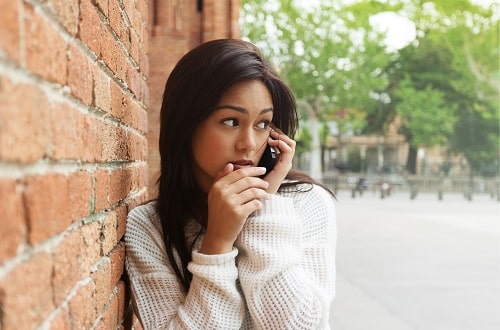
{"x": 268, "y": 159}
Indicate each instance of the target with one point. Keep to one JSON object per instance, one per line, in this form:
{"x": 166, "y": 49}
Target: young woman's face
{"x": 235, "y": 132}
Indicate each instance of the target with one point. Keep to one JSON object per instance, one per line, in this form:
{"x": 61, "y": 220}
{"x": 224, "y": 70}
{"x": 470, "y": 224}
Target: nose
{"x": 247, "y": 140}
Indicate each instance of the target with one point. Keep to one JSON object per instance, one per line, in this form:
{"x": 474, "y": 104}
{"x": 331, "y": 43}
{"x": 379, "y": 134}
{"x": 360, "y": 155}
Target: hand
{"x": 286, "y": 147}
{"x": 232, "y": 198}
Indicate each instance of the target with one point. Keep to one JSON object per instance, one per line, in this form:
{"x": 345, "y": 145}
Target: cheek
{"x": 209, "y": 151}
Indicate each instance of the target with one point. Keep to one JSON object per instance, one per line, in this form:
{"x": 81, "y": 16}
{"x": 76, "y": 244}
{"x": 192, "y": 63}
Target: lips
{"x": 242, "y": 164}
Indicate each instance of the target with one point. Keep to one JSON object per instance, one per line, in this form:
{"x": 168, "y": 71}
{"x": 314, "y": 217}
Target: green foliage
{"x": 303, "y": 139}
{"x": 452, "y": 68}
{"x": 426, "y": 118}
{"x": 330, "y": 61}
{"x": 443, "y": 86}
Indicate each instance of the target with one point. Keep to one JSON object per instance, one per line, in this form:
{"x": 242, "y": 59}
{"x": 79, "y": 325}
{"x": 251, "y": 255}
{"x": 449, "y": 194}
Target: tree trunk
{"x": 411, "y": 162}
{"x": 315, "y": 169}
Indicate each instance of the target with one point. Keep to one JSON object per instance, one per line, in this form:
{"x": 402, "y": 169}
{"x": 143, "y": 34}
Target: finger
{"x": 246, "y": 183}
{"x": 225, "y": 171}
{"x": 244, "y": 173}
{"x": 283, "y": 145}
{"x": 250, "y": 194}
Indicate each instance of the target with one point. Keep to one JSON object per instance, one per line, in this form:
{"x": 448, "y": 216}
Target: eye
{"x": 231, "y": 122}
{"x": 263, "y": 124}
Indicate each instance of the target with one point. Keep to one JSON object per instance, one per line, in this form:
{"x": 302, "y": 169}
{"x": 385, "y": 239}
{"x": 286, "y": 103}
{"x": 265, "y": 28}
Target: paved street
{"x": 420, "y": 264}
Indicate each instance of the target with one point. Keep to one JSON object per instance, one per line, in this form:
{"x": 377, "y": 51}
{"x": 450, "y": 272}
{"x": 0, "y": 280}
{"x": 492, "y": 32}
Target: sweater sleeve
{"x": 213, "y": 300}
{"x": 287, "y": 261}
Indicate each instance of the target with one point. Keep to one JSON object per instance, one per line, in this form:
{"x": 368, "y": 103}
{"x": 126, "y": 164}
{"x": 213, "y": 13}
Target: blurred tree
{"x": 331, "y": 61}
{"x": 445, "y": 85}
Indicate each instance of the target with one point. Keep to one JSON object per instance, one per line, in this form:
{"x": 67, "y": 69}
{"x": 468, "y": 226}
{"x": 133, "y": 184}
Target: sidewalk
{"x": 418, "y": 264}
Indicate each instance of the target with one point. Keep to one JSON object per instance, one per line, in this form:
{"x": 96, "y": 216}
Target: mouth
{"x": 242, "y": 164}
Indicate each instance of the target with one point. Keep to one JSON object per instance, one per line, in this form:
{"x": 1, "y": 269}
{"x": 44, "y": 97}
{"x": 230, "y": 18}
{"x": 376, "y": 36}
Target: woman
{"x": 229, "y": 244}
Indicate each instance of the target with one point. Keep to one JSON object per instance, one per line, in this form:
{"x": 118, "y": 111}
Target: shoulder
{"x": 143, "y": 219}
{"x": 308, "y": 192}
{"x": 146, "y": 210}
{"x": 311, "y": 201}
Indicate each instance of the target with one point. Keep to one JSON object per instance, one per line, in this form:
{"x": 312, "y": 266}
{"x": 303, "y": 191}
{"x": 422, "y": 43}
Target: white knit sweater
{"x": 280, "y": 274}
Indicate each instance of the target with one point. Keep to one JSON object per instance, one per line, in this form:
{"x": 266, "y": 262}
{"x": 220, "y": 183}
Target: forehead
{"x": 252, "y": 93}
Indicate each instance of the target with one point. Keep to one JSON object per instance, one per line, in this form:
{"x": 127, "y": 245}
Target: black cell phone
{"x": 268, "y": 159}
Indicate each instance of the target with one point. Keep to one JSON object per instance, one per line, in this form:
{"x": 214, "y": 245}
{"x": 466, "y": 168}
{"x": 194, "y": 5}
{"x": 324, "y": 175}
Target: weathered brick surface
{"x": 9, "y": 25}
{"x": 13, "y": 226}
{"x": 25, "y": 122}
{"x": 80, "y": 90}
{"x": 46, "y": 50}
{"x": 27, "y": 299}
{"x": 71, "y": 160}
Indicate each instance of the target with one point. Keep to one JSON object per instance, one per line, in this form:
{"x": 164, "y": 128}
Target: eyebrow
{"x": 241, "y": 109}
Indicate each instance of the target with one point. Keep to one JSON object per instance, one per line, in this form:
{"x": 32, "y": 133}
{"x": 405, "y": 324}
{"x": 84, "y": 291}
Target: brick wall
{"x": 73, "y": 151}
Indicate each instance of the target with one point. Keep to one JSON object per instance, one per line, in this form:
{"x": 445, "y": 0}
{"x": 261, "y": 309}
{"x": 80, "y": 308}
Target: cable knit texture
{"x": 279, "y": 275}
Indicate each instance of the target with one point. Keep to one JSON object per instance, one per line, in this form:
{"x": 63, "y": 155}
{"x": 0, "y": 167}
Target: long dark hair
{"x": 192, "y": 91}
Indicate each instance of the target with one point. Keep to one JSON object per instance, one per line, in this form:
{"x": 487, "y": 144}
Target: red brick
{"x": 102, "y": 280}
{"x": 108, "y": 233}
{"x": 142, "y": 10}
{"x": 9, "y": 25}
{"x": 129, "y": 10}
{"x": 90, "y": 248}
{"x": 66, "y": 266}
{"x": 121, "y": 221}
{"x": 110, "y": 317}
{"x": 90, "y": 141}
{"x": 80, "y": 194}
{"x": 117, "y": 23}
{"x": 135, "y": 46}
{"x": 75, "y": 134}
{"x": 48, "y": 205}
{"x": 101, "y": 190}
{"x": 22, "y": 310}
{"x": 61, "y": 320}
{"x": 63, "y": 119}
{"x": 120, "y": 185}
{"x": 67, "y": 12}
{"x": 123, "y": 68}
{"x": 142, "y": 120}
{"x": 90, "y": 26}
{"x": 13, "y": 228}
{"x": 134, "y": 177}
{"x": 144, "y": 61}
{"x": 111, "y": 53}
{"x": 117, "y": 257}
{"x": 137, "y": 85}
{"x": 126, "y": 109}
{"x": 103, "y": 6}
{"x": 54, "y": 201}
{"x": 102, "y": 93}
{"x": 122, "y": 298}
{"x": 82, "y": 307}
{"x": 79, "y": 75}
{"x": 120, "y": 102}
{"x": 74, "y": 258}
{"x": 45, "y": 47}
{"x": 25, "y": 122}
{"x": 112, "y": 138}
{"x": 136, "y": 146}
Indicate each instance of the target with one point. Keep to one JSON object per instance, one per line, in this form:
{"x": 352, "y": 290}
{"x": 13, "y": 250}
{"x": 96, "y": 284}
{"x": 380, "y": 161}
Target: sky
{"x": 401, "y": 31}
